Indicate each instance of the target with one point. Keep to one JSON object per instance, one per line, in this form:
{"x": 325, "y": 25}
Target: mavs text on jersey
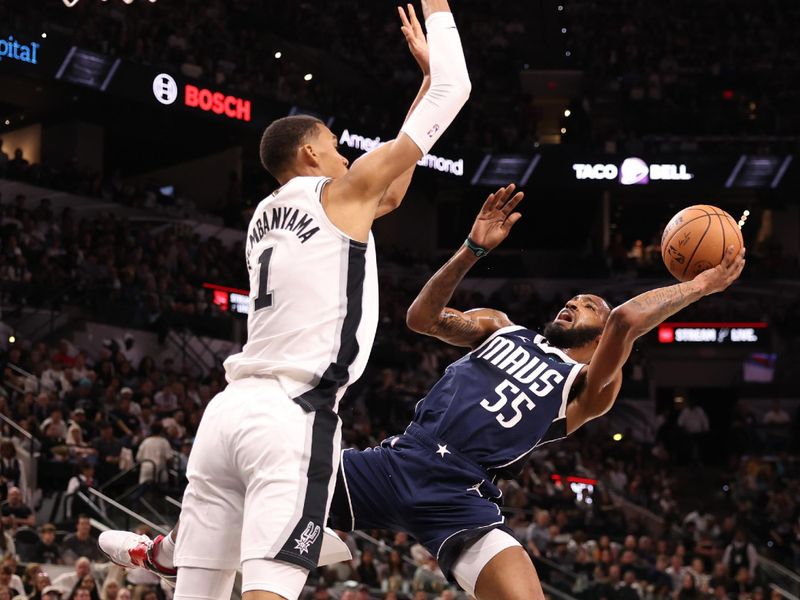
{"x": 479, "y": 422}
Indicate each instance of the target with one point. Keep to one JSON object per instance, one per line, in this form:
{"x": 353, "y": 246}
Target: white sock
{"x": 165, "y": 551}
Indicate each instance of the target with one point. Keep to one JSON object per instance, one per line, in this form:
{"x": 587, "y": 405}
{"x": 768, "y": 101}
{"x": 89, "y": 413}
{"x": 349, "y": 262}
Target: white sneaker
{"x": 134, "y": 551}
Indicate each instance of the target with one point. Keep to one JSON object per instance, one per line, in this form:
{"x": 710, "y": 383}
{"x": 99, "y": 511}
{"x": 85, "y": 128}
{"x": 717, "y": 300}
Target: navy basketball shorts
{"x": 416, "y": 484}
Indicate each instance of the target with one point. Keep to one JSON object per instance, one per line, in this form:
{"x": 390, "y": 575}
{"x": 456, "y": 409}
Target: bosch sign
{"x": 217, "y": 102}
{"x": 632, "y": 171}
{"x": 717, "y": 333}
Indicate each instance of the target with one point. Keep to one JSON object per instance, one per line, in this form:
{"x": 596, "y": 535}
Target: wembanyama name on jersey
{"x": 313, "y": 298}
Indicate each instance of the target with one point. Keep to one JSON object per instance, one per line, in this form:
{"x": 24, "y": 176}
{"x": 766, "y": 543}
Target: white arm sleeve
{"x": 450, "y": 85}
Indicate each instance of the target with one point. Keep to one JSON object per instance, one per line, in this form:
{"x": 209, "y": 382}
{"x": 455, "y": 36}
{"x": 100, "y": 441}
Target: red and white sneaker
{"x": 134, "y": 551}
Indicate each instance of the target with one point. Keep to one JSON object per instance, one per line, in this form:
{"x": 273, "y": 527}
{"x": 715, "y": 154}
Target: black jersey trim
{"x": 303, "y": 544}
{"x": 337, "y": 374}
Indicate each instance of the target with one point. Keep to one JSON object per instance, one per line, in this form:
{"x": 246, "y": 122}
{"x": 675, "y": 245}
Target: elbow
{"x": 622, "y": 319}
{"x": 417, "y": 322}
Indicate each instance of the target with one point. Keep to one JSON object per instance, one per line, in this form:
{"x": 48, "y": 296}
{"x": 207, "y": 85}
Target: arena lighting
{"x": 44, "y": 36}
{"x": 617, "y": 437}
{"x": 563, "y": 30}
{"x": 567, "y": 53}
{"x": 563, "y": 130}
{"x": 217, "y": 102}
{"x": 567, "y": 112}
{"x": 278, "y": 54}
{"x": 308, "y": 76}
{"x": 712, "y": 332}
{"x": 11, "y": 339}
{"x": 7, "y": 122}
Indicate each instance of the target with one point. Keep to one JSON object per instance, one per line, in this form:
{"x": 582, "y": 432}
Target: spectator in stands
{"x": 85, "y": 589}
{"x": 11, "y": 581}
{"x": 56, "y": 421}
{"x": 79, "y": 483}
{"x": 367, "y": 572}
{"x": 157, "y": 449}
{"x": 777, "y": 415}
{"x": 108, "y": 452}
{"x": 740, "y": 553}
{"x": 81, "y": 543}
{"x": 33, "y": 573}
{"x": 693, "y": 421}
{"x": 15, "y": 512}
{"x": 49, "y": 592}
{"x": 124, "y": 594}
{"x": 110, "y": 589}
{"x": 47, "y": 551}
{"x": 18, "y": 165}
{"x": 11, "y": 472}
{"x": 79, "y": 449}
{"x": 69, "y": 580}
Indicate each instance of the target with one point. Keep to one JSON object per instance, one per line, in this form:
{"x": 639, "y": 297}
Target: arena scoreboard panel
{"x": 229, "y": 299}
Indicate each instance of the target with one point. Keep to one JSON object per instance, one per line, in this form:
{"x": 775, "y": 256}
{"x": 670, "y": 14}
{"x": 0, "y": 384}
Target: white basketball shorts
{"x": 261, "y": 476}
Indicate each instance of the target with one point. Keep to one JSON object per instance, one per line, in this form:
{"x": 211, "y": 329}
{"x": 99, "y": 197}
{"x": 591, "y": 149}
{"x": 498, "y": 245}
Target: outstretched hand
{"x": 724, "y": 274}
{"x": 415, "y": 36}
{"x": 496, "y": 218}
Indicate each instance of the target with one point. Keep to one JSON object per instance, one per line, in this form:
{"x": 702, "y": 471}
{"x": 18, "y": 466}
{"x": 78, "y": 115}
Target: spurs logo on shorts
{"x": 307, "y": 538}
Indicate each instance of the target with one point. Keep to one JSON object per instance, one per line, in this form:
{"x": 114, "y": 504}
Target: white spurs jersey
{"x": 313, "y": 298}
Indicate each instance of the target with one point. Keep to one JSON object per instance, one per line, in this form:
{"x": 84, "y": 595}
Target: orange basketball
{"x": 695, "y": 240}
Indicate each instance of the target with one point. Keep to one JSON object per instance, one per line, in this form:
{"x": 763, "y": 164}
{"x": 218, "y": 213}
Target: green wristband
{"x": 477, "y": 250}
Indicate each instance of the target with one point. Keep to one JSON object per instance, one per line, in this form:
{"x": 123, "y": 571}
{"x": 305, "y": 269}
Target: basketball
{"x": 695, "y": 239}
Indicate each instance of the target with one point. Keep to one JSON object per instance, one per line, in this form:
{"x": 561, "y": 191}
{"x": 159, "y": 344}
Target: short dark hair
{"x": 282, "y": 138}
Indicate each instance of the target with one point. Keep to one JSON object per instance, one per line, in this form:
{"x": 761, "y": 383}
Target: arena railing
{"x": 784, "y": 579}
{"x": 30, "y": 461}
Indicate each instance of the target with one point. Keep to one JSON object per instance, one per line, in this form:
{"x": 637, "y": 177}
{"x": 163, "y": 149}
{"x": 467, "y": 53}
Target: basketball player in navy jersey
{"x": 514, "y": 391}
{"x": 264, "y": 462}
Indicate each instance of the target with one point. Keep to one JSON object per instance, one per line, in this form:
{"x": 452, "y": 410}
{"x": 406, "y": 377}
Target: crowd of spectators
{"x": 677, "y": 68}
{"x": 143, "y": 272}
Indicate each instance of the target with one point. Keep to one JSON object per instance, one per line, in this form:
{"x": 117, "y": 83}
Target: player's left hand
{"x": 497, "y": 217}
{"x": 417, "y": 42}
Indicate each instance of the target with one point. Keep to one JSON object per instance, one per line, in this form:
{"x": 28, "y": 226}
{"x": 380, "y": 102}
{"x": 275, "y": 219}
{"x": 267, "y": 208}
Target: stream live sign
{"x": 713, "y": 333}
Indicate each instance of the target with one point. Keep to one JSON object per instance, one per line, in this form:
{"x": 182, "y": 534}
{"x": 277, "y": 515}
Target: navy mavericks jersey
{"x": 502, "y": 400}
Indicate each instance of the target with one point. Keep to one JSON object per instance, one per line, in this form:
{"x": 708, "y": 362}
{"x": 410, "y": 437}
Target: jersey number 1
{"x": 264, "y": 298}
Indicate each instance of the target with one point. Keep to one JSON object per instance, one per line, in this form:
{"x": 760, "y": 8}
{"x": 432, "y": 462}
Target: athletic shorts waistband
{"x": 416, "y": 431}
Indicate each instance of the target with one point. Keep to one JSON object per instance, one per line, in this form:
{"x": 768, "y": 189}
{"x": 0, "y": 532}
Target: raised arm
{"x": 429, "y": 313}
{"x": 633, "y": 319}
{"x": 418, "y": 46}
{"x": 351, "y": 201}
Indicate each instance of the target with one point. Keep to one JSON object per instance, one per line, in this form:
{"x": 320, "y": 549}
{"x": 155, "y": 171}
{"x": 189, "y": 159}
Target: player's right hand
{"x": 497, "y": 217}
{"x": 724, "y": 274}
{"x": 417, "y": 42}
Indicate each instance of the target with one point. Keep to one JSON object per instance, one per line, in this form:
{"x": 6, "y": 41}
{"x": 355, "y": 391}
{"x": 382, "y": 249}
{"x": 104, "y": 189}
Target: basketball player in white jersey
{"x": 263, "y": 465}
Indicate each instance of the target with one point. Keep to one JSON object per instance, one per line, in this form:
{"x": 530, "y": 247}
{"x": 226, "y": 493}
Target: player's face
{"x": 580, "y": 322}
{"x": 584, "y": 310}
{"x": 326, "y": 147}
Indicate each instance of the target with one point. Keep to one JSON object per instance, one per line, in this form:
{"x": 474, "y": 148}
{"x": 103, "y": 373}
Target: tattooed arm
{"x": 429, "y": 313}
{"x": 632, "y": 320}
